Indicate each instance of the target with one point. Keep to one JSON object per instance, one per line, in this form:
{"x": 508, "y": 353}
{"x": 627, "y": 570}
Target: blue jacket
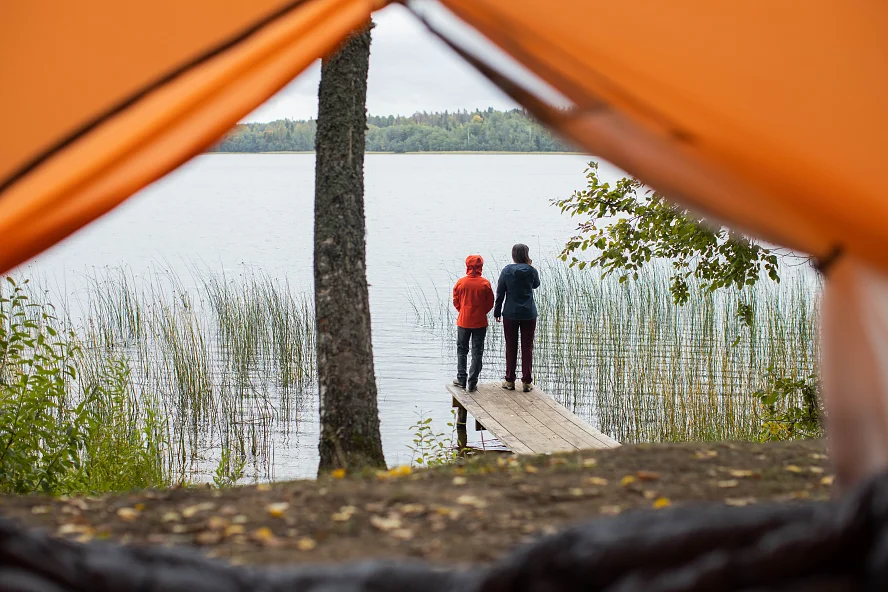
{"x": 516, "y": 284}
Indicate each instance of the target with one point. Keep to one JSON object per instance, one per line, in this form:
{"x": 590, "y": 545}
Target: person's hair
{"x": 520, "y": 253}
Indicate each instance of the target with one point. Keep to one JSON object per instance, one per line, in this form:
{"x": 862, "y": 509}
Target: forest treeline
{"x": 490, "y": 130}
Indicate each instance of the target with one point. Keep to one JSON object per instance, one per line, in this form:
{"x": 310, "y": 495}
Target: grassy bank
{"x": 208, "y": 377}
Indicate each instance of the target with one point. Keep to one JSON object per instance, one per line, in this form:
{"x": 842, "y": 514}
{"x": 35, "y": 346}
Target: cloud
{"x": 410, "y": 70}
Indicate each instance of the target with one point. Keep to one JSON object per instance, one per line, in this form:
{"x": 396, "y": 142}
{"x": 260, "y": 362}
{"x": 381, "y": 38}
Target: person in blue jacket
{"x": 517, "y": 310}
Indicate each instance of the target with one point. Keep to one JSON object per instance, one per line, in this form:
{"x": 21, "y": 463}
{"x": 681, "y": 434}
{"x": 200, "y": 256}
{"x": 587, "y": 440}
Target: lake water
{"x": 425, "y": 213}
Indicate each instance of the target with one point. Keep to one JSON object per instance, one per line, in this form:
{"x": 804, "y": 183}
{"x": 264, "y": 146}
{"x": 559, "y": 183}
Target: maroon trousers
{"x": 510, "y": 331}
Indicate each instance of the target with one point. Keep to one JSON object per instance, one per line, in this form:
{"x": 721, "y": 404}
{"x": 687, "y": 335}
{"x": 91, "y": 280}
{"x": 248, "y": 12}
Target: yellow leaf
{"x": 40, "y": 510}
{"x": 471, "y": 500}
{"x": 405, "y": 534}
{"x": 459, "y": 481}
{"x": 277, "y": 510}
{"x": 139, "y": 507}
{"x": 262, "y": 534}
{"x": 661, "y": 502}
{"x": 739, "y": 501}
{"x": 610, "y": 510}
{"x": 338, "y": 473}
{"x": 743, "y": 473}
{"x": 828, "y": 480}
{"x": 649, "y": 494}
{"x": 306, "y": 544}
{"x": 627, "y": 480}
{"x": 704, "y": 454}
{"x": 597, "y": 481}
{"x": 816, "y": 470}
{"x": 728, "y": 483}
{"x": 234, "y": 529}
{"x": 589, "y": 463}
{"x": 793, "y": 468}
{"x": 386, "y": 524}
{"x": 192, "y": 510}
{"x": 128, "y": 514}
{"x": 344, "y": 514}
{"x": 401, "y": 471}
{"x": 530, "y": 469}
{"x": 575, "y": 491}
{"x": 263, "y": 487}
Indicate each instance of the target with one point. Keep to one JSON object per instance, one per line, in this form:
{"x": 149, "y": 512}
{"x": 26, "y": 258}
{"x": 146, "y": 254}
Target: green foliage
{"x": 628, "y": 226}
{"x": 431, "y": 449}
{"x": 54, "y": 436}
{"x": 231, "y": 468}
{"x": 790, "y": 408}
{"x": 490, "y": 130}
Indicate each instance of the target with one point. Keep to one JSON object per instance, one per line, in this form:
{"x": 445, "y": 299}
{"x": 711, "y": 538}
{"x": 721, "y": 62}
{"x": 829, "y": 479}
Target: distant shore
{"x": 426, "y": 152}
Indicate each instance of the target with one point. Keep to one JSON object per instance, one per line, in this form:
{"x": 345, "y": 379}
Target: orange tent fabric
{"x": 103, "y": 97}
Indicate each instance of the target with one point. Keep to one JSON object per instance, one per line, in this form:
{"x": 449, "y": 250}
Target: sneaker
{"x": 509, "y": 385}
{"x": 528, "y": 386}
{"x": 472, "y": 388}
{"x": 458, "y": 383}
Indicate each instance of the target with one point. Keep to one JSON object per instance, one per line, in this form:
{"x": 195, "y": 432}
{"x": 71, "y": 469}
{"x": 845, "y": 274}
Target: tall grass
{"x": 642, "y": 369}
{"x": 225, "y": 362}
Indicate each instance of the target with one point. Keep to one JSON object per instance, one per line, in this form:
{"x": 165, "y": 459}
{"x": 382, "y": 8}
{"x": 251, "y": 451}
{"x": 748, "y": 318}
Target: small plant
{"x": 791, "y": 408}
{"x": 231, "y": 468}
{"x": 431, "y": 449}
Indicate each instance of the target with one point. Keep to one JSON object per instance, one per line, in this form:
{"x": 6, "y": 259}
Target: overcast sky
{"x": 410, "y": 71}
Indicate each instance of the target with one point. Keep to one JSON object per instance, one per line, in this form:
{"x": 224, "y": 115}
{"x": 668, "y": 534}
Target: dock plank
{"x": 528, "y": 423}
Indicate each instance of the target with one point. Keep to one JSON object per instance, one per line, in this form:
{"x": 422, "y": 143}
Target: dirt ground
{"x": 456, "y": 514}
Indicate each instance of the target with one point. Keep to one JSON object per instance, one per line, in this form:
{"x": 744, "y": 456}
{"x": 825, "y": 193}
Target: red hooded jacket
{"x": 472, "y": 295}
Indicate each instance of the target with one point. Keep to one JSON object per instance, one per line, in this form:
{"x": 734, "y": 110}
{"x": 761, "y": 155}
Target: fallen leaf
{"x": 459, "y": 481}
{"x": 344, "y": 514}
{"x": 277, "y": 510}
{"x": 704, "y": 454}
{"x": 647, "y": 475}
{"x": 743, "y": 473}
{"x": 386, "y": 524}
{"x": 240, "y": 519}
{"x": 649, "y": 494}
{"x": 262, "y": 534}
{"x": 471, "y": 500}
{"x": 197, "y": 508}
{"x": 401, "y": 471}
{"x": 66, "y": 529}
{"x": 627, "y": 480}
{"x": 413, "y": 508}
{"x": 209, "y": 537}
{"x": 575, "y": 491}
{"x": 793, "y": 468}
{"x": 234, "y": 529}
{"x": 139, "y": 507}
{"x": 128, "y": 514}
{"x": 661, "y": 502}
{"x": 306, "y": 544}
{"x": 598, "y": 481}
{"x": 530, "y": 469}
{"x": 816, "y": 470}
{"x": 557, "y": 460}
{"x": 405, "y": 534}
{"x": 217, "y": 523}
{"x": 263, "y": 487}
{"x": 818, "y": 456}
{"x": 171, "y": 517}
{"x": 739, "y": 501}
{"x": 338, "y": 473}
{"x": 588, "y": 463}
{"x": 728, "y": 483}
{"x": 827, "y": 480}
{"x": 610, "y": 510}
{"x": 40, "y": 510}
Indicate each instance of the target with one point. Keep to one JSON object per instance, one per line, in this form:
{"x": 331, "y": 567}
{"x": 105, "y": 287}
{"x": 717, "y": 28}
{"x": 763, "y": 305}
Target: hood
{"x": 474, "y": 265}
{"x": 522, "y": 270}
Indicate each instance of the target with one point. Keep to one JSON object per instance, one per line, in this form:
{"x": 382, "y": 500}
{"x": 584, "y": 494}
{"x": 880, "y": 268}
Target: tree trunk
{"x": 347, "y": 382}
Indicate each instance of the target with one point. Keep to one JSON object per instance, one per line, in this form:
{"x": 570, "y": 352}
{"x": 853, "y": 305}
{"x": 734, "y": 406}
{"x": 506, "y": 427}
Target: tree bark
{"x": 349, "y": 416}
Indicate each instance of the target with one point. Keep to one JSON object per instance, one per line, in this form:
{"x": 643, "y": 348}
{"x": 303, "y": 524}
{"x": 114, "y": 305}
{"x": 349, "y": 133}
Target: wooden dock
{"x": 527, "y": 423}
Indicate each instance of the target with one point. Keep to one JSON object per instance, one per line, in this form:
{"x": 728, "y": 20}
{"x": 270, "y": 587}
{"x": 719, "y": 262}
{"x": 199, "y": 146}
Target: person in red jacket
{"x": 473, "y": 298}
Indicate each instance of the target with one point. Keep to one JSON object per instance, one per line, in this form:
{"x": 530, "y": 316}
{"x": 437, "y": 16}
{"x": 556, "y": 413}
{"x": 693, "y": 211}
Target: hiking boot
{"x": 458, "y": 383}
{"x": 528, "y": 386}
{"x": 509, "y": 385}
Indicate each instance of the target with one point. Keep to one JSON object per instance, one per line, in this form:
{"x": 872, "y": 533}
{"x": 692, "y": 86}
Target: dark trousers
{"x": 510, "y": 331}
{"x": 469, "y": 379}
